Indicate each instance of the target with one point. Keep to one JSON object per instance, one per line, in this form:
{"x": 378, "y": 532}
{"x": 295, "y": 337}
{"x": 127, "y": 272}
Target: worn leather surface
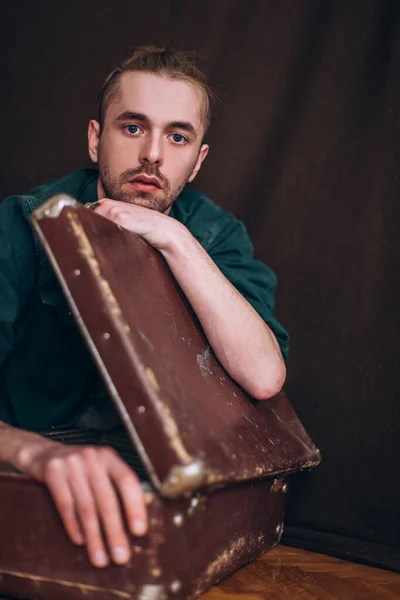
{"x": 186, "y": 418}
{"x": 194, "y": 541}
{"x": 178, "y": 404}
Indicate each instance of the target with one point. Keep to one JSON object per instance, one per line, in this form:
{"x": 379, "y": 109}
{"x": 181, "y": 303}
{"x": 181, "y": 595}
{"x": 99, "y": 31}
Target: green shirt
{"x": 46, "y": 372}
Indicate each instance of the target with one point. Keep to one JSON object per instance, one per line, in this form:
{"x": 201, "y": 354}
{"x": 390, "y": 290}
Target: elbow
{"x": 272, "y": 385}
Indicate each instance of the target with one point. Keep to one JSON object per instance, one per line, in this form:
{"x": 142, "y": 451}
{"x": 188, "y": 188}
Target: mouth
{"x": 145, "y": 184}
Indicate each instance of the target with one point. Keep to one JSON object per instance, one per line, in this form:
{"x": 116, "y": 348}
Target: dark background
{"x": 305, "y": 149}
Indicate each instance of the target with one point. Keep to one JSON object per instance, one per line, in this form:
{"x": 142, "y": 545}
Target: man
{"x": 148, "y": 143}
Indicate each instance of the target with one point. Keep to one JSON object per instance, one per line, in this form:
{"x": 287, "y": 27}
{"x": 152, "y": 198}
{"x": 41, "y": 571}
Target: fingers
{"x": 85, "y": 483}
{"x": 59, "y": 488}
{"x": 101, "y": 208}
{"x": 87, "y": 511}
{"x": 131, "y": 493}
{"x": 114, "y": 212}
{"x": 107, "y": 504}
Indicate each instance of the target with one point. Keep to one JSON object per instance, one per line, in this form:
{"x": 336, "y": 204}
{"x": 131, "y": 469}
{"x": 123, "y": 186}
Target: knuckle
{"x": 86, "y": 511}
{"x": 72, "y": 458}
{"x": 64, "y": 505}
{"x": 106, "y": 452}
{"x": 127, "y": 479}
{"x": 109, "y": 508}
{"x": 88, "y": 453}
{"x": 52, "y": 467}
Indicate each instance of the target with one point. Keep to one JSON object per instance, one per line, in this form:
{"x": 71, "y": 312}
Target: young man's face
{"x": 150, "y": 145}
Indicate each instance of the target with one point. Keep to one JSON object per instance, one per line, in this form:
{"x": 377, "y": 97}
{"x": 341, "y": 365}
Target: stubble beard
{"x": 117, "y": 188}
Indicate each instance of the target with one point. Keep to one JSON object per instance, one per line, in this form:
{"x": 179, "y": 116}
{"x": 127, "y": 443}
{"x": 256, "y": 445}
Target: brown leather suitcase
{"x": 213, "y": 461}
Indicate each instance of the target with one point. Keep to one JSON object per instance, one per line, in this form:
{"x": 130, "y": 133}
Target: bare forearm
{"x": 239, "y": 337}
{"x": 243, "y": 343}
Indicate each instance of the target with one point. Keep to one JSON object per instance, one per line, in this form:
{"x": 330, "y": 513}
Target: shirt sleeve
{"x": 232, "y": 251}
{"x": 17, "y": 268}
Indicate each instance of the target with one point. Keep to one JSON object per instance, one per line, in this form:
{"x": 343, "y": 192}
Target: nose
{"x": 151, "y": 150}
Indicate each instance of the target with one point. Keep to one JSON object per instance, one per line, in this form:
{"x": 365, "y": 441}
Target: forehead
{"x": 161, "y": 99}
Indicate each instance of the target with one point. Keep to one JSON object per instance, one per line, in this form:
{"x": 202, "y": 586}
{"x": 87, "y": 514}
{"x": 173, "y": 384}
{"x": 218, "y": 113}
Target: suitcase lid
{"x": 192, "y": 425}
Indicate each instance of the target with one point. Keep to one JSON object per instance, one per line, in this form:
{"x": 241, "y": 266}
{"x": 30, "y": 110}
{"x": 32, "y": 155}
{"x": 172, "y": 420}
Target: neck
{"x": 100, "y": 190}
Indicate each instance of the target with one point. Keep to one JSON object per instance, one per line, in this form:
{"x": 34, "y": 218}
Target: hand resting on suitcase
{"x": 88, "y": 485}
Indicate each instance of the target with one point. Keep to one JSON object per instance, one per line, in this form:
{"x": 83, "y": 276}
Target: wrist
{"x": 178, "y": 243}
{"x": 27, "y": 447}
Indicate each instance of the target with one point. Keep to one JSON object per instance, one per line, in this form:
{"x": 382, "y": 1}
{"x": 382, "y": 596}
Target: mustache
{"x": 147, "y": 169}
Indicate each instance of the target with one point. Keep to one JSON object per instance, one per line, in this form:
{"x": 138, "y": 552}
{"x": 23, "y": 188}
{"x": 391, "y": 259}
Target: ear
{"x": 93, "y": 140}
{"x": 202, "y": 154}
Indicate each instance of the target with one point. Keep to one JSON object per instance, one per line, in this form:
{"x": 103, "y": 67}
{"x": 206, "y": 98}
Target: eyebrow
{"x": 184, "y": 125}
{"x": 128, "y": 114}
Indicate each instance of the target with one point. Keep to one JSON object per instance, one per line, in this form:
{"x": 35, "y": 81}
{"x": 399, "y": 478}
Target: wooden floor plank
{"x": 289, "y": 573}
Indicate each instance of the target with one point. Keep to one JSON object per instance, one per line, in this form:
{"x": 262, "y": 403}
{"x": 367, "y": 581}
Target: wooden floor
{"x": 288, "y": 573}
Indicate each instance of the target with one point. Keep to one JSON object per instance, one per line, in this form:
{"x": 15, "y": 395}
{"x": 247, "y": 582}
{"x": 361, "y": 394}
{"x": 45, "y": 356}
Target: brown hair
{"x": 174, "y": 64}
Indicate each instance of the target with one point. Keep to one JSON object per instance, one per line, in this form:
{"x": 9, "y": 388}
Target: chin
{"x": 145, "y": 201}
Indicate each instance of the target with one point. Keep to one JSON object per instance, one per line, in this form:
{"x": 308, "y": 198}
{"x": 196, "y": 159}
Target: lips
{"x": 146, "y": 181}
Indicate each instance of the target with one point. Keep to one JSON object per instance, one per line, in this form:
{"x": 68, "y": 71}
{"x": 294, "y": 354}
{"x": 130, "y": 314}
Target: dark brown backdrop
{"x": 305, "y": 149}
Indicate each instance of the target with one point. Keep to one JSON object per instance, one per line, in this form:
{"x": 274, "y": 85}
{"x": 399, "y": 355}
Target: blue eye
{"x": 178, "y": 138}
{"x": 132, "y": 129}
